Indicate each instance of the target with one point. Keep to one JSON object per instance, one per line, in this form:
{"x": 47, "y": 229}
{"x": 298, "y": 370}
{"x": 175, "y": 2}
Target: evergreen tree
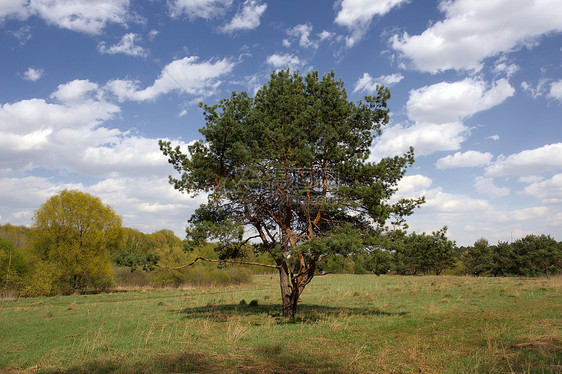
{"x": 290, "y": 166}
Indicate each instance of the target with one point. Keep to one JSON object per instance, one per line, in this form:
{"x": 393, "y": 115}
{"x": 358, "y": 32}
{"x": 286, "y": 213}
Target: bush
{"x": 42, "y": 280}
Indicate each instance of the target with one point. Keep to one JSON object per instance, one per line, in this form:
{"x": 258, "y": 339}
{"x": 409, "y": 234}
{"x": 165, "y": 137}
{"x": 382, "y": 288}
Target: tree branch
{"x": 220, "y": 261}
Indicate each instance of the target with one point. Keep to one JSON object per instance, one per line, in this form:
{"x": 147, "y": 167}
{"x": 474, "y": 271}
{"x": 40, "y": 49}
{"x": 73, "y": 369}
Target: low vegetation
{"x": 346, "y": 323}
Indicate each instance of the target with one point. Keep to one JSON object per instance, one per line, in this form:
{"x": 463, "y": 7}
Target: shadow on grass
{"x": 305, "y": 312}
{"x": 270, "y": 359}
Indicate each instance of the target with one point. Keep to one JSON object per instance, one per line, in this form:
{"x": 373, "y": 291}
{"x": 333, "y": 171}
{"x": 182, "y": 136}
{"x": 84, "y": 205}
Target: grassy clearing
{"x": 345, "y": 324}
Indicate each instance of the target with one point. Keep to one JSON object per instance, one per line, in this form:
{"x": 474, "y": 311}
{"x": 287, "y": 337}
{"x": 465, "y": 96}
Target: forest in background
{"x": 132, "y": 264}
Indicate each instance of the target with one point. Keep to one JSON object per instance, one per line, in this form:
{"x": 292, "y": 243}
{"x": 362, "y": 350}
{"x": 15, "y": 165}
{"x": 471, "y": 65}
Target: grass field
{"x": 344, "y": 324}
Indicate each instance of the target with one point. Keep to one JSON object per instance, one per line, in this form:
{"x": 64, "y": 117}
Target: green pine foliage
{"x": 291, "y": 166}
{"x": 532, "y": 255}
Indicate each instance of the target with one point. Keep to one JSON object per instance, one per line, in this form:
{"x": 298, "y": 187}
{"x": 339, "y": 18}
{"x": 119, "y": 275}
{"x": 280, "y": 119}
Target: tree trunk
{"x": 288, "y": 296}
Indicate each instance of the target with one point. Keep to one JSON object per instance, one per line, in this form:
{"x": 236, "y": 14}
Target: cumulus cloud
{"x": 448, "y": 102}
{"x": 32, "y": 74}
{"x": 303, "y": 33}
{"x": 77, "y": 91}
{"x": 66, "y": 135}
{"x": 283, "y": 61}
{"x": 522, "y": 215}
{"x": 247, "y": 18}
{"x": 412, "y": 186}
{"x": 504, "y": 67}
{"x": 437, "y": 112}
{"x": 186, "y": 74}
{"x": 145, "y": 203}
{"x": 425, "y": 138}
{"x": 356, "y": 15}
{"x": 486, "y": 186}
{"x": 533, "y": 162}
{"x": 463, "y": 160}
{"x": 88, "y": 16}
{"x": 549, "y": 191}
{"x": 39, "y": 133}
{"x": 369, "y": 84}
{"x": 126, "y": 46}
{"x": 14, "y": 8}
{"x": 474, "y": 30}
{"x": 206, "y": 9}
{"x": 556, "y": 90}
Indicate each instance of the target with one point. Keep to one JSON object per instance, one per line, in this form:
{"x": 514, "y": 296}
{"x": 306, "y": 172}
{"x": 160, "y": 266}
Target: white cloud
{"x": 448, "y": 102}
{"x": 66, "y": 135}
{"x": 356, "y": 15}
{"x": 535, "y": 91}
{"x": 486, "y": 186}
{"x": 145, "y": 203}
{"x": 126, "y": 46}
{"x": 522, "y": 215}
{"x": 494, "y": 137}
{"x": 442, "y": 202}
{"x": 538, "y": 161}
{"x": 32, "y": 74}
{"x": 369, "y": 84}
{"x": 549, "y": 191}
{"x": 247, "y": 18}
{"x": 474, "y": 30}
{"x": 325, "y": 35}
{"x": 122, "y": 89}
{"x": 465, "y": 159}
{"x": 303, "y": 33}
{"x": 283, "y": 61}
{"x": 425, "y": 138}
{"x": 77, "y": 91}
{"x": 530, "y": 179}
{"x": 126, "y": 154}
{"x": 186, "y": 74}
{"x": 21, "y": 196}
{"x": 412, "y": 186}
{"x": 506, "y": 68}
{"x": 88, "y": 16}
{"x": 23, "y": 34}
{"x": 437, "y": 112}
{"x": 36, "y": 133}
{"x": 14, "y": 8}
{"x": 153, "y": 34}
{"x": 556, "y": 90}
{"x": 206, "y": 9}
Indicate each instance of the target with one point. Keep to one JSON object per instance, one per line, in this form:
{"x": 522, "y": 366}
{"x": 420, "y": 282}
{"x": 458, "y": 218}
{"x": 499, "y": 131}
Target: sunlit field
{"x": 344, "y": 324}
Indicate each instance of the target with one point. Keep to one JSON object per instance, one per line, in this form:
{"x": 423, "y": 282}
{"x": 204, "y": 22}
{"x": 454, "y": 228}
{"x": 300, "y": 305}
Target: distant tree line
{"x": 532, "y": 256}
{"x": 400, "y": 253}
{"x": 77, "y": 244}
{"x": 422, "y": 254}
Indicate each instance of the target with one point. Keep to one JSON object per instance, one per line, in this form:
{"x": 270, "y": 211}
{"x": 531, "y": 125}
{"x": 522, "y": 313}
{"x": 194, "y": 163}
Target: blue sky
{"x": 87, "y": 87}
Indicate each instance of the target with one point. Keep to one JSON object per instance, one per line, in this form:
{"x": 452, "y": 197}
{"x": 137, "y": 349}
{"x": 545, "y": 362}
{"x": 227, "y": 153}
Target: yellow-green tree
{"x": 76, "y": 232}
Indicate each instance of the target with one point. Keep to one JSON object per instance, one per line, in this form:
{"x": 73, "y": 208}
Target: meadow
{"x": 344, "y": 324}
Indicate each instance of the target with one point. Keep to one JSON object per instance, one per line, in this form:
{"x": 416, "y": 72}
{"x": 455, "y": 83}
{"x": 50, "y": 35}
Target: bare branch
{"x": 220, "y": 261}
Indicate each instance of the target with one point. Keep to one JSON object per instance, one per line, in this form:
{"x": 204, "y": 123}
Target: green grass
{"x": 344, "y": 324}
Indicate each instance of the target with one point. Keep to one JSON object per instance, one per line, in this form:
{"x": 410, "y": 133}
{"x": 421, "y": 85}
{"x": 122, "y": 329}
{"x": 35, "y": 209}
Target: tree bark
{"x": 288, "y": 297}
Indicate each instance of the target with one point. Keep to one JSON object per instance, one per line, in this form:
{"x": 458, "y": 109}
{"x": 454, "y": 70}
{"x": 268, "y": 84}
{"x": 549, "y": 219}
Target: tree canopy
{"x": 289, "y": 169}
{"x": 77, "y": 232}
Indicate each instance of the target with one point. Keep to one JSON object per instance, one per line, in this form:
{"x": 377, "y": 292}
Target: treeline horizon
{"x": 133, "y": 262}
